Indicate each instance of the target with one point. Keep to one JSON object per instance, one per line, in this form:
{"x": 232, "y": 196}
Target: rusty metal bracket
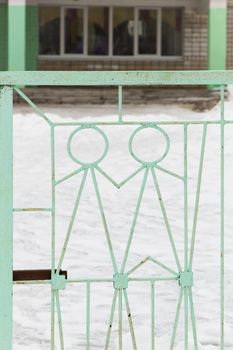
{"x": 36, "y": 275}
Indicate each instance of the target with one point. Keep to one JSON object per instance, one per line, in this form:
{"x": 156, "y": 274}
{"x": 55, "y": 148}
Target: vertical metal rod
{"x": 131, "y": 328}
{"x": 111, "y": 320}
{"x": 59, "y": 320}
{"x": 53, "y": 213}
{"x": 186, "y": 328}
{"x": 88, "y": 314}
{"x": 193, "y": 319}
{"x": 222, "y": 229}
{"x": 120, "y": 318}
{"x": 6, "y": 219}
{"x": 185, "y": 197}
{"x": 120, "y": 96}
{"x": 152, "y": 315}
{"x": 52, "y": 319}
{"x": 173, "y": 338}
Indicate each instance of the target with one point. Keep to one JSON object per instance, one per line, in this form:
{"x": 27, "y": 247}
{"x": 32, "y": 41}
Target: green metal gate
{"x": 183, "y": 275}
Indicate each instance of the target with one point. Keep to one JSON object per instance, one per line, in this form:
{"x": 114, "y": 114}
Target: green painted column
{"x": 16, "y": 35}
{"x": 22, "y": 35}
{"x": 217, "y": 34}
{"x": 6, "y": 217}
{"x": 3, "y": 35}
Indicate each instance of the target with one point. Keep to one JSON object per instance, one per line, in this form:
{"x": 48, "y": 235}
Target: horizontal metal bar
{"x": 133, "y": 279}
{"x": 116, "y": 78}
{"x": 32, "y": 275}
{"x": 32, "y": 282}
{"x": 140, "y": 122}
{"x": 100, "y": 280}
{"x": 31, "y": 209}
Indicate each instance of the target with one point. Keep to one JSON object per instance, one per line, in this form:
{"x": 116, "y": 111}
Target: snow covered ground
{"x": 87, "y": 253}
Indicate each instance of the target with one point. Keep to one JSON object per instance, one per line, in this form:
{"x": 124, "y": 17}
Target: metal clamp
{"x": 120, "y": 281}
{"x": 186, "y": 279}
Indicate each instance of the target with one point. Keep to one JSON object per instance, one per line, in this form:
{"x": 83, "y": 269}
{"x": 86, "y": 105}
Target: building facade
{"x": 116, "y": 34}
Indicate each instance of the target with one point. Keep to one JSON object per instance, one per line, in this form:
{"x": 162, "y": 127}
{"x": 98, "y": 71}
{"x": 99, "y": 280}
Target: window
{"x": 147, "y": 32}
{"x": 171, "y": 32}
{"x": 111, "y": 31}
{"x": 98, "y": 31}
{"x": 49, "y": 31}
{"x": 74, "y": 31}
{"x": 123, "y": 31}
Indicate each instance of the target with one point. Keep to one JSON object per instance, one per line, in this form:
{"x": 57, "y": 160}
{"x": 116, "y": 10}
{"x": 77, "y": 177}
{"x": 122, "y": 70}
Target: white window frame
{"x": 136, "y": 56}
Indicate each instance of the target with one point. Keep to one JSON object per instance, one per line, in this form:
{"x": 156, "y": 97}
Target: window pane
{"x": 49, "y": 32}
{"x": 98, "y": 30}
{"x": 74, "y": 31}
{"x": 123, "y": 31}
{"x": 172, "y": 23}
{"x": 147, "y": 32}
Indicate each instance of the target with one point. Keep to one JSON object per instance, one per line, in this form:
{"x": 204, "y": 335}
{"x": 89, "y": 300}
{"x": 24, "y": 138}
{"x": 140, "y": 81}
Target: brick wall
{"x": 195, "y": 40}
{"x": 230, "y": 34}
{"x": 195, "y": 52}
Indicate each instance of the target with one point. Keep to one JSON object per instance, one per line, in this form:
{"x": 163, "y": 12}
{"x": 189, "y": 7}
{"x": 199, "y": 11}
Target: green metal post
{"x": 3, "y": 37}
{"x": 6, "y": 219}
{"x": 16, "y": 35}
{"x": 217, "y": 34}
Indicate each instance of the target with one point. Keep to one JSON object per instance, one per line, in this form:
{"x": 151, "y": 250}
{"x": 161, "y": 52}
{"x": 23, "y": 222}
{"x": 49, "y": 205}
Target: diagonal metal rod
{"x": 193, "y": 319}
{"x": 174, "y": 331}
{"x": 169, "y": 172}
{"x": 128, "y": 178}
{"x": 155, "y": 261}
{"x": 200, "y": 171}
{"x": 72, "y": 221}
{"x": 123, "y": 182}
{"x": 129, "y": 315}
{"x": 34, "y": 107}
{"x": 135, "y": 218}
{"x": 60, "y": 327}
{"x": 73, "y": 173}
{"x": 111, "y": 320}
{"x": 165, "y": 219}
{"x": 107, "y": 234}
{"x": 109, "y": 178}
